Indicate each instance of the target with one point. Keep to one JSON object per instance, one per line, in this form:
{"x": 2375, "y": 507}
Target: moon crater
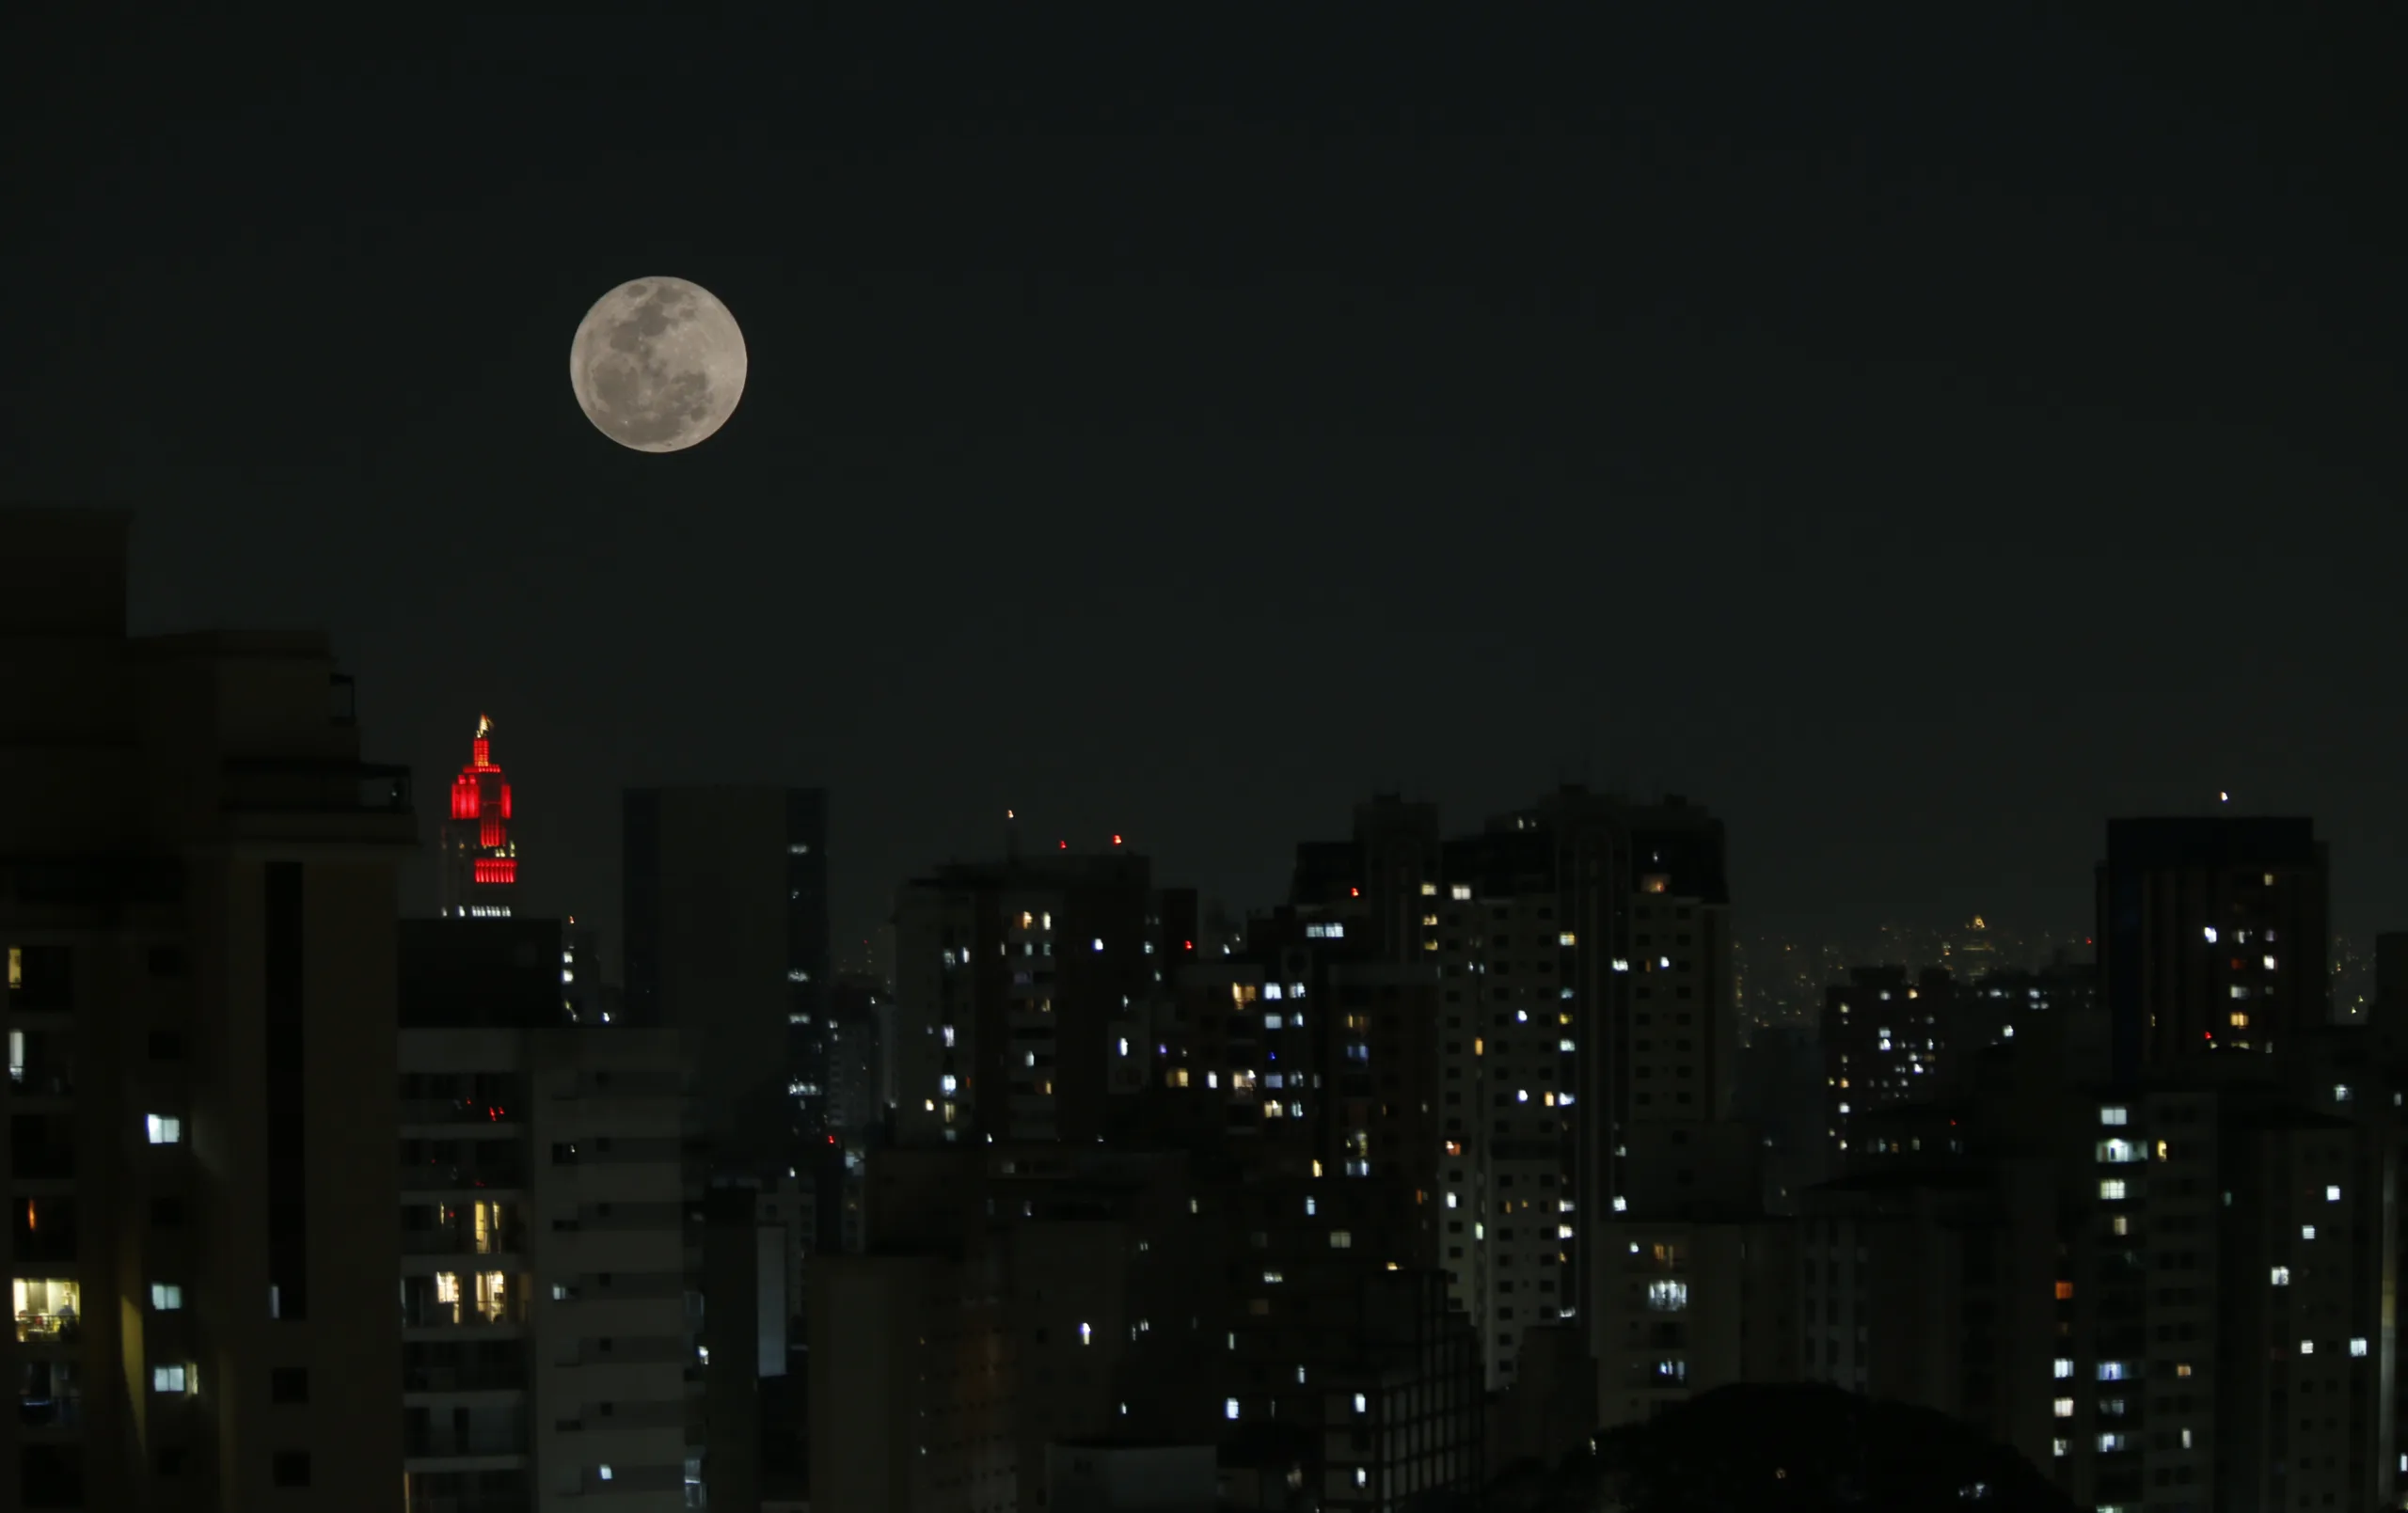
{"x": 659, "y": 364}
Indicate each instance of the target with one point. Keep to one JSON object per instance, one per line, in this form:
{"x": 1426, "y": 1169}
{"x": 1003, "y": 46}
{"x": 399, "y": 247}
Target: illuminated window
{"x": 2111, "y": 1189}
{"x": 1668, "y": 1297}
{"x": 165, "y": 1129}
{"x": 2282, "y": 1276}
{"x": 1230, "y": 1409}
{"x": 1086, "y": 1334}
{"x": 167, "y": 1297}
{"x": 1341, "y": 1239}
{"x": 2064, "y": 1368}
{"x": 170, "y": 1378}
{"x": 2358, "y": 1346}
{"x": 2332, "y": 1194}
{"x": 2114, "y": 1114}
{"x": 1461, "y": 890}
{"x": 2308, "y": 1346}
{"x": 2064, "y": 1408}
{"x": 2065, "y": 1291}
{"x": 2110, "y": 1371}
{"x": 1362, "y": 1403}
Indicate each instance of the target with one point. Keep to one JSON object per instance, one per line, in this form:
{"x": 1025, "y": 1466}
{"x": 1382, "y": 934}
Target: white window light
{"x": 2064, "y": 1368}
{"x": 2308, "y": 1231}
{"x": 2282, "y": 1276}
{"x": 1099, "y": 943}
{"x": 2111, "y": 1189}
{"x": 170, "y": 1378}
{"x": 2058, "y": 1447}
{"x": 1230, "y": 1409}
{"x": 167, "y": 1297}
{"x": 2358, "y": 1346}
{"x": 165, "y": 1129}
{"x": 2114, "y": 1114}
{"x": 2333, "y": 1193}
{"x": 604, "y": 1471}
{"x": 2308, "y": 1346}
{"x": 2211, "y": 934}
{"x": 1362, "y": 1403}
{"x": 2064, "y": 1408}
{"x": 1086, "y": 1334}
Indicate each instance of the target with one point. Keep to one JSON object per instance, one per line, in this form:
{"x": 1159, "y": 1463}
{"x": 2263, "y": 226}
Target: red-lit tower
{"x": 480, "y": 862}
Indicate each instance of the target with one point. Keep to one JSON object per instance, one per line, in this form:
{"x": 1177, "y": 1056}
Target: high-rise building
{"x": 197, "y": 917}
{"x": 726, "y": 927}
{"x": 2212, "y": 936}
{"x": 1584, "y": 954}
{"x": 859, "y": 1013}
{"x": 1884, "y": 1041}
{"x": 1023, "y": 992}
{"x": 546, "y": 1342}
{"x": 480, "y": 861}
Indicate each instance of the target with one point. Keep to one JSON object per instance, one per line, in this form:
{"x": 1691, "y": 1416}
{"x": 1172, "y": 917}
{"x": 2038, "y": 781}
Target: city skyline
{"x": 1329, "y": 764}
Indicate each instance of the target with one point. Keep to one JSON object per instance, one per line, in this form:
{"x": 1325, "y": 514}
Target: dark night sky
{"x": 1916, "y": 434}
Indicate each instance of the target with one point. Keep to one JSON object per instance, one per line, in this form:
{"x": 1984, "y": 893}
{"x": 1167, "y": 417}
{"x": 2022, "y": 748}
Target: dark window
{"x": 288, "y": 1384}
{"x": 171, "y": 1462}
{"x": 167, "y": 1045}
{"x": 292, "y": 1467}
{"x": 168, "y": 1213}
{"x": 43, "y": 977}
{"x": 167, "y": 961}
{"x": 50, "y": 1475}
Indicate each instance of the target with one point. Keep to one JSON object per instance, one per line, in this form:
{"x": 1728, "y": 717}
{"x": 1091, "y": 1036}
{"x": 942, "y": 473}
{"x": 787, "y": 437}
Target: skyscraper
{"x": 1023, "y": 989}
{"x": 544, "y": 1345}
{"x": 1586, "y": 1013}
{"x": 480, "y": 861}
{"x": 198, "y": 923}
{"x": 2213, "y": 937}
{"x": 726, "y": 925}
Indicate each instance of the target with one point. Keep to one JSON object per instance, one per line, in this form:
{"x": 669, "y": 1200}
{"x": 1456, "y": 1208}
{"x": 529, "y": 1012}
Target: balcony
{"x": 482, "y": 1227}
{"x": 48, "y": 1395}
{"x": 475, "y": 1112}
{"x": 510, "y": 1240}
{"x": 453, "y": 1300}
{"x": 443, "y": 1441}
{"x": 464, "y": 1176}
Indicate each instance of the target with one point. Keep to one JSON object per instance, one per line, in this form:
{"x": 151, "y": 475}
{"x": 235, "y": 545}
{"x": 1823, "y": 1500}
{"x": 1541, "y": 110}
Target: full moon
{"x": 658, "y": 364}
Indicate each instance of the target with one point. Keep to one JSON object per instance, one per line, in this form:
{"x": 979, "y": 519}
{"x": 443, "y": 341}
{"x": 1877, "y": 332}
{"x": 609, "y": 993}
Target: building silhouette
{"x": 196, "y": 916}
